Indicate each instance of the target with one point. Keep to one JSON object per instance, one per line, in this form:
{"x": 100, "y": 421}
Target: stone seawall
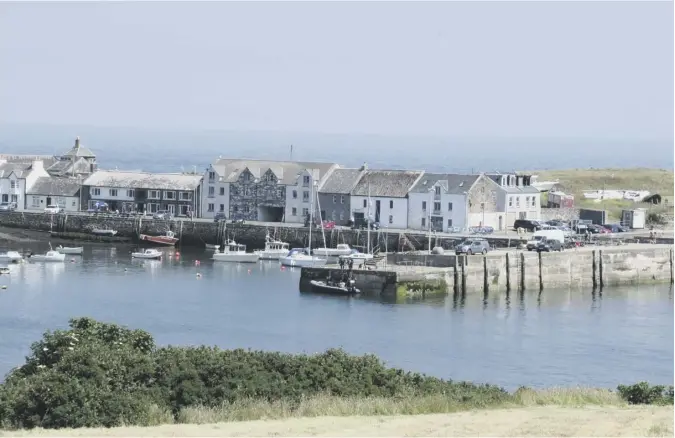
{"x": 515, "y": 271}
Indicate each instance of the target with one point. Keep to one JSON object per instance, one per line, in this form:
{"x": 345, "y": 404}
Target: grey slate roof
{"x": 79, "y": 150}
{"x": 143, "y": 180}
{"x": 19, "y": 169}
{"x": 341, "y": 181}
{"x": 386, "y": 183}
{"x": 55, "y": 186}
{"x": 497, "y": 178}
{"x": 451, "y": 182}
{"x": 286, "y": 171}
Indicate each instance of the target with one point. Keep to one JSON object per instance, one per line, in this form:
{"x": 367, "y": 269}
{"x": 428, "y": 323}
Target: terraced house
{"x": 132, "y": 191}
{"x": 261, "y": 190}
{"x": 16, "y": 178}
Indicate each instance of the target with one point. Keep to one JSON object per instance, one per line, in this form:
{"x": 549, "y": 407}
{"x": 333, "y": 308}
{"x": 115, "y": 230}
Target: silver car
{"x": 473, "y": 246}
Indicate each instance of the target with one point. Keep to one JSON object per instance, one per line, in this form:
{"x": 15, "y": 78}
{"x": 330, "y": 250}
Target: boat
{"x": 5, "y": 270}
{"x": 211, "y": 246}
{"x": 299, "y": 258}
{"x": 235, "y": 252}
{"x": 167, "y": 239}
{"x": 147, "y": 254}
{"x": 335, "y": 288}
{"x": 274, "y": 249}
{"x": 49, "y": 256}
{"x": 10, "y": 257}
{"x": 358, "y": 258}
{"x": 69, "y": 250}
{"x": 340, "y": 250}
{"x": 102, "y": 232}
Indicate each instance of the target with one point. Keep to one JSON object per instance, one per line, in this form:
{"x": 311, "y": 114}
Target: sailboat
{"x": 359, "y": 258}
{"x": 300, "y": 258}
{"x": 342, "y": 249}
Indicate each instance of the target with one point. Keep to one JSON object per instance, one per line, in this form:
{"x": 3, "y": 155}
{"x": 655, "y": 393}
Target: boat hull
{"x": 159, "y": 240}
{"x": 41, "y": 258}
{"x": 271, "y": 255}
{"x": 137, "y": 255}
{"x": 236, "y": 258}
{"x": 302, "y": 262}
{"x": 10, "y": 257}
{"x": 212, "y": 247}
{"x": 331, "y": 252}
{"x": 320, "y": 286}
{"x": 74, "y": 251}
{"x": 109, "y": 233}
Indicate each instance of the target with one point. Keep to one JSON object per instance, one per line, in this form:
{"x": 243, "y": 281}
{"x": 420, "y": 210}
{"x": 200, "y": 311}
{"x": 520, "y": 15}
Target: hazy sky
{"x": 516, "y": 69}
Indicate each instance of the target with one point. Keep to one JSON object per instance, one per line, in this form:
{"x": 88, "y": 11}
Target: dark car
{"x": 220, "y": 216}
{"x": 597, "y": 229}
{"x": 8, "y": 206}
{"x": 527, "y": 224}
{"x": 548, "y": 245}
{"x": 615, "y": 228}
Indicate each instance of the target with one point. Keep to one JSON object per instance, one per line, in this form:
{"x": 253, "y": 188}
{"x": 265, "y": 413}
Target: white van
{"x": 556, "y": 234}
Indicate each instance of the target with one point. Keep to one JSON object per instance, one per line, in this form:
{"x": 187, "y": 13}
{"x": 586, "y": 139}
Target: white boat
{"x": 358, "y": 258}
{"x": 235, "y": 252}
{"x": 211, "y": 246}
{"x": 274, "y": 249}
{"x": 100, "y": 232}
{"x": 147, "y": 254}
{"x": 49, "y": 256}
{"x": 300, "y": 259}
{"x": 69, "y": 250}
{"x": 340, "y": 250}
{"x": 10, "y": 257}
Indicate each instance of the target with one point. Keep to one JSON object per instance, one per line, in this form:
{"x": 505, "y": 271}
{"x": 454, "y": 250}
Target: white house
{"x": 261, "y": 190}
{"x": 516, "y": 197}
{"x": 440, "y": 202}
{"x": 16, "y": 178}
{"x": 64, "y": 192}
{"x": 388, "y": 193}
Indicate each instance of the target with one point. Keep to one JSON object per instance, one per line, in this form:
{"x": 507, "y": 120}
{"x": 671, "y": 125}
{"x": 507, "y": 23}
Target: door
{"x": 139, "y": 207}
{"x": 184, "y": 209}
{"x": 377, "y": 211}
{"x": 501, "y": 225}
{"x": 172, "y": 209}
{"x": 5, "y": 198}
{"x": 49, "y": 201}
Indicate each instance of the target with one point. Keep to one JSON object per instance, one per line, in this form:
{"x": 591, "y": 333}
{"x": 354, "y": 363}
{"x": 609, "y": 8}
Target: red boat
{"x": 167, "y": 239}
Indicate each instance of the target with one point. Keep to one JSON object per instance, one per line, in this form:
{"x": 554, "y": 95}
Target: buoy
{"x": 125, "y": 269}
{"x": 4, "y": 286}
{"x": 72, "y": 260}
{"x": 199, "y": 275}
{"x": 283, "y": 268}
{"x": 249, "y": 271}
{"x": 197, "y": 263}
{"x": 177, "y": 254}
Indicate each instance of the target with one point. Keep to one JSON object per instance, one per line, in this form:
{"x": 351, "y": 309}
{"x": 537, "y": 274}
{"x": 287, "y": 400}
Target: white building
{"x": 64, "y": 192}
{"x": 440, "y": 202}
{"x": 388, "y": 193}
{"x": 516, "y": 197}
{"x": 16, "y": 178}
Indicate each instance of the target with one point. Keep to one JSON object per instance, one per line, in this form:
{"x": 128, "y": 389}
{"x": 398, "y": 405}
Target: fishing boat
{"x": 211, "y": 246}
{"x": 152, "y": 254}
{"x": 358, "y": 258}
{"x": 235, "y": 252}
{"x": 102, "y": 232}
{"x": 69, "y": 250}
{"x": 168, "y": 239}
{"x": 10, "y": 257}
{"x": 335, "y": 288}
{"x": 49, "y": 256}
{"x": 299, "y": 258}
{"x": 340, "y": 250}
{"x": 274, "y": 249}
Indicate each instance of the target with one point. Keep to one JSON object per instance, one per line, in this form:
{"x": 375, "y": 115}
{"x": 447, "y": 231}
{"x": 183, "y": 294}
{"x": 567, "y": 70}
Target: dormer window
{"x": 437, "y": 189}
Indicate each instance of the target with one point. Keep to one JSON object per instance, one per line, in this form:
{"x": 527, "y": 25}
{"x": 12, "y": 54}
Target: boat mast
{"x": 323, "y": 233}
{"x": 311, "y": 216}
{"x": 368, "y": 222}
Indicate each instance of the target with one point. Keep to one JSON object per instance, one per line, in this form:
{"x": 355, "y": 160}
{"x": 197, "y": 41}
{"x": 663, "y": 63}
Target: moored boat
{"x": 168, "y": 239}
{"x": 69, "y": 250}
{"x": 152, "y": 254}
{"x": 211, "y": 246}
{"x": 297, "y": 257}
{"x": 10, "y": 257}
{"x": 335, "y": 288}
{"x": 49, "y": 256}
{"x": 103, "y": 232}
{"x": 341, "y": 249}
{"x": 358, "y": 258}
{"x": 274, "y": 249}
{"x": 235, "y": 252}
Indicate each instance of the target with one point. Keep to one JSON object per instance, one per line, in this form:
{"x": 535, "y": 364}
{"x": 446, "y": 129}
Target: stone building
{"x": 335, "y": 194}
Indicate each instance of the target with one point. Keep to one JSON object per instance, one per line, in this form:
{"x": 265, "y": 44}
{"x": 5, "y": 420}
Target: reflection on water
{"x": 557, "y": 337}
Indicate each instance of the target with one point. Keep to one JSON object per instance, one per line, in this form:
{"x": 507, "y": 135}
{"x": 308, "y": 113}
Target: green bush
{"x": 645, "y": 394}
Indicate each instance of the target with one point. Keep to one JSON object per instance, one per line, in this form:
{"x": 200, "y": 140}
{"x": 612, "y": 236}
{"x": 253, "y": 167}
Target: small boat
{"x": 341, "y": 249}
{"x": 335, "y": 288}
{"x": 147, "y": 254}
{"x": 235, "y": 252}
{"x": 298, "y": 257}
{"x": 101, "y": 232}
{"x": 358, "y": 258}
{"x": 212, "y": 246}
{"x": 11, "y": 257}
{"x": 167, "y": 239}
{"x": 274, "y": 249}
{"x": 69, "y": 250}
{"x": 49, "y": 256}
{"x": 5, "y": 270}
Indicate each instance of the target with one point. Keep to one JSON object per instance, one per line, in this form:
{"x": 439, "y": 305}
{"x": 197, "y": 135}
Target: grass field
{"x": 555, "y": 412}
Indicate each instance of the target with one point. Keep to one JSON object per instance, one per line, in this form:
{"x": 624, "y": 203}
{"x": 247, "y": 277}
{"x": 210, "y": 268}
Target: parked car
{"x": 8, "y": 206}
{"x": 548, "y": 245}
{"x": 527, "y": 224}
{"x": 615, "y": 228}
{"x": 52, "y": 209}
{"x": 163, "y": 215}
{"x": 220, "y": 216}
{"x": 327, "y": 225}
{"x": 473, "y": 246}
{"x": 557, "y": 223}
{"x": 363, "y": 224}
{"x": 597, "y": 229}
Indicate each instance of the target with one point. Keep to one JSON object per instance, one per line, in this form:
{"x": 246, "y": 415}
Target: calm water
{"x": 556, "y": 338}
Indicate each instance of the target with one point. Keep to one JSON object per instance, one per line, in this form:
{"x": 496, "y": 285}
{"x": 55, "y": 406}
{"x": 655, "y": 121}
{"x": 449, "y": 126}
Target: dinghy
{"x": 152, "y": 254}
{"x": 49, "y": 256}
{"x": 69, "y": 250}
{"x": 10, "y": 257}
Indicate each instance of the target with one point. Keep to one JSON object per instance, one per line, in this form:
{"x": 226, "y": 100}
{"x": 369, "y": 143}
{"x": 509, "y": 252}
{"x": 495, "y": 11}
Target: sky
{"x": 592, "y": 70}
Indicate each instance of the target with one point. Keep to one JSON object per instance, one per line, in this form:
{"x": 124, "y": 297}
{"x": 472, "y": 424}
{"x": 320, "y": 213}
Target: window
{"x": 235, "y": 209}
{"x": 169, "y": 195}
{"x": 212, "y": 191}
{"x": 391, "y": 219}
{"x": 437, "y": 190}
{"x": 342, "y": 199}
{"x": 130, "y": 193}
{"x": 305, "y": 211}
{"x": 222, "y": 191}
{"x": 15, "y": 198}
{"x": 527, "y": 201}
{"x": 305, "y": 180}
{"x": 449, "y": 206}
{"x": 212, "y": 176}
{"x": 437, "y": 206}
{"x": 112, "y": 192}
{"x": 482, "y": 205}
{"x": 342, "y": 215}
{"x": 74, "y": 204}
{"x": 517, "y": 201}
{"x": 334, "y": 199}
{"x": 305, "y": 196}
{"x": 510, "y": 201}
{"x": 153, "y": 194}
{"x": 295, "y": 194}
{"x": 154, "y": 208}
{"x": 333, "y": 216}
{"x": 280, "y": 192}
{"x": 391, "y": 204}
{"x": 96, "y": 192}
{"x": 294, "y": 211}
{"x": 234, "y": 190}
{"x": 246, "y": 208}
{"x": 424, "y": 222}
{"x": 449, "y": 222}
{"x": 424, "y": 205}
{"x": 247, "y": 191}
{"x": 211, "y": 208}
{"x": 36, "y": 201}
{"x": 365, "y": 203}
{"x": 61, "y": 202}
{"x": 222, "y": 207}
{"x": 185, "y": 196}
{"x": 13, "y": 184}
{"x": 534, "y": 201}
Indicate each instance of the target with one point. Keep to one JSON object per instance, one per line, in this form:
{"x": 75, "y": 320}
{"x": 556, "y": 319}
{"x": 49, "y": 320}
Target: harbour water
{"x": 567, "y": 338}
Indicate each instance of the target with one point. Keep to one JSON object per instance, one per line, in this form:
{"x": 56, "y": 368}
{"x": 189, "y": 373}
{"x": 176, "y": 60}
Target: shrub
{"x": 644, "y": 394}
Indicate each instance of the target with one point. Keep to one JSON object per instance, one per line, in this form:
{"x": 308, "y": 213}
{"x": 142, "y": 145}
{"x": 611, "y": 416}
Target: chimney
{"x": 77, "y": 142}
